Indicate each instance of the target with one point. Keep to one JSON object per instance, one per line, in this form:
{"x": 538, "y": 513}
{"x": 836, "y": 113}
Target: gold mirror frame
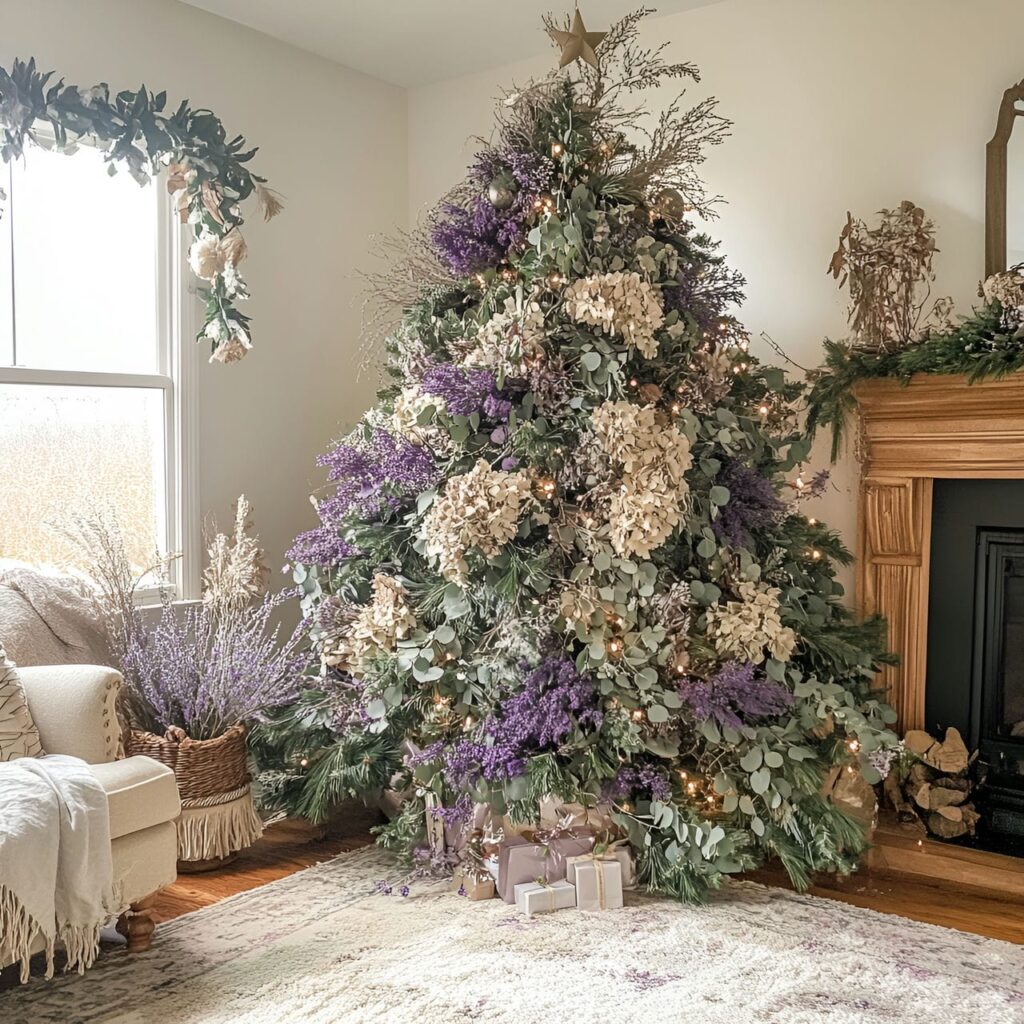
{"x": 995, "y": 180}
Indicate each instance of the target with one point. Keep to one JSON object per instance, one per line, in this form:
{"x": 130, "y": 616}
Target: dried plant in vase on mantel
{"x": 889, "y": 271}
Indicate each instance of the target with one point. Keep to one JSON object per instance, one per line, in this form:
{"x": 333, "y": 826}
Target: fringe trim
{"x": 208, "y": 833}
{"x": 18, "y": 931}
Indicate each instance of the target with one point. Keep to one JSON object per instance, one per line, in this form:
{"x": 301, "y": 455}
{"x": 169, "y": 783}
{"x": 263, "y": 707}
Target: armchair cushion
{"x": 19, "y": 736}
{"x": 140, "y": 792}
{"x": 74, "y": 708}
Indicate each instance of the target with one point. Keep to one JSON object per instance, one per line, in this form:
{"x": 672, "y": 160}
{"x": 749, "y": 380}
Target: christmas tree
{"x": 564, "y": 555}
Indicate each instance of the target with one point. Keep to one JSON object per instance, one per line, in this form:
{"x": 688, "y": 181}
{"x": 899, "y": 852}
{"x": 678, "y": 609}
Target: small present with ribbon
{"x": 541, "y": 897}
{"x": 542, "y": 854}
{"x": 598, "y": 880}
{"x": 472, "y": 885}
{"x": 619, "y": 850}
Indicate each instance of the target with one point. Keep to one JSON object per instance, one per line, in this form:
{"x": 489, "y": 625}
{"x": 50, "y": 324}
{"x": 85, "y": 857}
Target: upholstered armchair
{"x": 74, "y": 708}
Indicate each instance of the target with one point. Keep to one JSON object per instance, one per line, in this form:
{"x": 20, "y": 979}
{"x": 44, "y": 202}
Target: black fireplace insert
{"x": 975, "y": 678}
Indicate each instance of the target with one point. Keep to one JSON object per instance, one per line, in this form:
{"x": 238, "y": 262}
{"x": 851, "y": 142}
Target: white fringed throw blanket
{"x": 56, "y": 874}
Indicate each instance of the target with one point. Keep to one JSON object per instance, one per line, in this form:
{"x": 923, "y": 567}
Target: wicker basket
{"x": 217, "y": 815}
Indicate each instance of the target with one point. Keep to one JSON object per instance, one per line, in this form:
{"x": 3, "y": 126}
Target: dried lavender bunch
{"x": 204, "y": 673}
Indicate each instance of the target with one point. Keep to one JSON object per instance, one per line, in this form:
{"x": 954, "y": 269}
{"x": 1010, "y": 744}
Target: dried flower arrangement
{"x": 889, "y": 271}
{"x": 202, "y": 669}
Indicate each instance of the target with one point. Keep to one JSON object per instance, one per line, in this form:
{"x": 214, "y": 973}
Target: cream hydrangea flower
{"x": 653, "y": 456}
{"x": 231, "y": 341}
{"x": 508, "y": 339}
{"x": 479, "y": 509}
{"x": 620, "y": 303}
{"x": 1007, "y": 288}
{"x": 211, "y": 254}
{"x": 408, "y": 407}
{"x": 746, "y": 628}
{"x": 374, "y": 628}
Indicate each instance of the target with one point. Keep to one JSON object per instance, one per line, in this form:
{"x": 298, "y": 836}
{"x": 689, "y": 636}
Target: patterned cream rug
{"x": 323, "y": 947}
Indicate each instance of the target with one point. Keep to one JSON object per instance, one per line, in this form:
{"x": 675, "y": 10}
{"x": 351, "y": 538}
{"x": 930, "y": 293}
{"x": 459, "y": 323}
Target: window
{"x": 96, "y": 363}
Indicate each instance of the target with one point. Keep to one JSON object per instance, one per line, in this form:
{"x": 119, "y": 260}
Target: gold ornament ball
{"x": 500, "y": 194}
{"x": 670, "y": 204}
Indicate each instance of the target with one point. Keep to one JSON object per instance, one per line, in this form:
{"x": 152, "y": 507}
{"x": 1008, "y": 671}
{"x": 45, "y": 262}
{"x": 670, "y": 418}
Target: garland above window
{"x": 206, "y": 173}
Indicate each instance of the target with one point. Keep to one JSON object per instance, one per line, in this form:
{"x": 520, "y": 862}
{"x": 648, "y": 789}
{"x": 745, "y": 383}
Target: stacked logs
{"x": 936, "y": 789}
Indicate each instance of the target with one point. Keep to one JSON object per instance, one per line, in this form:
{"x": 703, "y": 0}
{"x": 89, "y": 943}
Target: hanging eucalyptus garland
{"x": 206, "y": 173}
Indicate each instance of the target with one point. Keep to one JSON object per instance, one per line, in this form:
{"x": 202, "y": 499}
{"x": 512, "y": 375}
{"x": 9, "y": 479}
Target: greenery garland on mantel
{"x": 986, "y": 345}
{"x": 207, "y": 173}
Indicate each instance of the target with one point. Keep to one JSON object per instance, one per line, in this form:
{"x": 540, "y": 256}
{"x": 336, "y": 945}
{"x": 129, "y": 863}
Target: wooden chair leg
{"x": 136, "y": 924}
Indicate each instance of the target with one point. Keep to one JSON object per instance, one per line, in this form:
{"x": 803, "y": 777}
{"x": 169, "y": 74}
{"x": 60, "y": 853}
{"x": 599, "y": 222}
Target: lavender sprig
{"x": 736, "y": 691}
{"x": 554, "y": 702}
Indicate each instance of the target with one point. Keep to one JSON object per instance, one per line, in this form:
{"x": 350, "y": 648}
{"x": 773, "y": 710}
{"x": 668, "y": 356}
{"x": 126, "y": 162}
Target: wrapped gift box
{"x": 598, "y": 883}
{"x": 620, "y": 851}
{"x": 520, "y": 860}
{"x": 544, "y": 897}
{"x": 597, "y": 819}
{"x": 473, "y": 887}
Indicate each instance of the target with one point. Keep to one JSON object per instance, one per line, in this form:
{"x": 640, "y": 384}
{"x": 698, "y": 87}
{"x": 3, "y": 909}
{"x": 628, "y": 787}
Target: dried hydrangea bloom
{"x": 653, "y": 456}
{"x": 620, "y": 303}
{"x": 746, "y": 628}
{"x": 480, "y": 509}
{"x": 408, "y": 407}
{"x": 509, "y": 340}
{"x": 1007, "y": 288}
{"x": 373, "y": 628}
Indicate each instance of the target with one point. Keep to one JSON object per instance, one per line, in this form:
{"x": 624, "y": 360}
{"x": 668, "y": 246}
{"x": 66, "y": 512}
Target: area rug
{"x": 327, "y": 946}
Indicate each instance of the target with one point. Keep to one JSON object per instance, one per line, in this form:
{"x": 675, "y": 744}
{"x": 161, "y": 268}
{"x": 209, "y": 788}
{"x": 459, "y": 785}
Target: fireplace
{"x": 941, "y": 557}
{"x": 975, "y": 658}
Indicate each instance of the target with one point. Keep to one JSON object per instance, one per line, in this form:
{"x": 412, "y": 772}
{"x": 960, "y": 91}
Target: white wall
{"x": 334, "y": 143}
{"x": 837, "y": 106}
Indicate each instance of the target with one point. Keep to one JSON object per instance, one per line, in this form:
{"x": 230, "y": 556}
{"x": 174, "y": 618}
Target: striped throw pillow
{"x": 19, "y": 736}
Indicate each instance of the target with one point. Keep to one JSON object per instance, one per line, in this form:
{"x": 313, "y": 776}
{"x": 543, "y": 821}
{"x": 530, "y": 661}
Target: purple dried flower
{"x": 476, "y": 236}
{"x": 404, "y": 891}
{"x": 704, "y": 289}
{"x": 554, "y": 702}
{"x": 819, "y": 482}
{"x": 374, "y": 476}
{"x": 466, "y": 391}
{"x": 383, "y": 888}
{"x": 737, "y": 689}
{"x": 753, "y": 504}
{"x": 459, "y": 812}
{"x": 205, "y": 672}
{"x": 639, "y": 778}
{"x": 321, "y": 546}
{"x": 431, "y": 752}
{"x": 462, "y": 890}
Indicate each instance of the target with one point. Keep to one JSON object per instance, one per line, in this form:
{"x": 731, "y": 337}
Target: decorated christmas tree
{"x": 564, "y": 555}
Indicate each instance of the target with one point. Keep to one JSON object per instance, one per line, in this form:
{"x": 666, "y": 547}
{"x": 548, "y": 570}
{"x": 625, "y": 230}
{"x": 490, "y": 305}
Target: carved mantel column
{"x": 933, "y": 427}
{"x": 895, "y": 544}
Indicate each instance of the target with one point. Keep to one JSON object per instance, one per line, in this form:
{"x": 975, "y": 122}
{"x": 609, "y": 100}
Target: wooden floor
{"x": 290, "y": 846}
{"x": 286, "y": 847}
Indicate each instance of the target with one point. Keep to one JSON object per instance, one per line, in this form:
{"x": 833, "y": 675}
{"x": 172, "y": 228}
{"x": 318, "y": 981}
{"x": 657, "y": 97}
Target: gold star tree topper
{"x": 577, "y": 43}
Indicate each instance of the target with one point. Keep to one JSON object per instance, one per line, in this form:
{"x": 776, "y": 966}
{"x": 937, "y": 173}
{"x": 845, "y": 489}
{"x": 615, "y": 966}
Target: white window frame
{"x": 177, "y": 376}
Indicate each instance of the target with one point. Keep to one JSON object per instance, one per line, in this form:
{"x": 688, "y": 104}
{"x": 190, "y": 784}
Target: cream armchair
{"x": 74, "y": 709}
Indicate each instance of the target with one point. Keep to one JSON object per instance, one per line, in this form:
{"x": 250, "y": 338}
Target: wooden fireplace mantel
{"x": 933, "y": 427}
